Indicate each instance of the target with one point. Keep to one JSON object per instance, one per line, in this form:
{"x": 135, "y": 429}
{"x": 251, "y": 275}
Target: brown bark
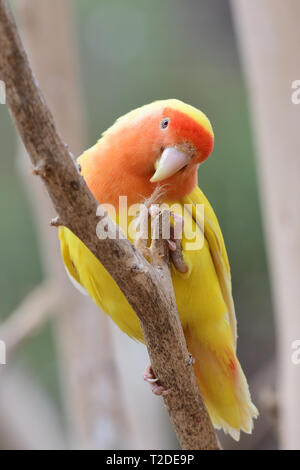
{"x": 88, "y": 373}
{"x": 148, "y": 289}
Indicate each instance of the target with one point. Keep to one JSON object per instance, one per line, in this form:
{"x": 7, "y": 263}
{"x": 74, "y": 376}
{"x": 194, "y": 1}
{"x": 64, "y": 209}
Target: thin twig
{"x": 30, "y": 315}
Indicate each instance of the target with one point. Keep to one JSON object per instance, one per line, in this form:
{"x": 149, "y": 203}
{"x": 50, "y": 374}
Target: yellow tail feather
{"x": 224, "y": 388}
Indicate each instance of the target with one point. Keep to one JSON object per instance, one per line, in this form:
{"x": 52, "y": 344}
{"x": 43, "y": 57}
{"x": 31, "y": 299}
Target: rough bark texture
{"x": 269, "y": 34}
{"x": 148, "y": 292}
{"x": 89, "y": 379}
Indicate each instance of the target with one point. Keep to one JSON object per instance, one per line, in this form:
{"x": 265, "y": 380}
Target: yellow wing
{"x": 214, "y": 237}
{"x": 88, "y": 274}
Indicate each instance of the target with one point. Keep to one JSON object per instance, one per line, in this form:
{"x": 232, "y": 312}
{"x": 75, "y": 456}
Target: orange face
{"x": 159, "y": 144}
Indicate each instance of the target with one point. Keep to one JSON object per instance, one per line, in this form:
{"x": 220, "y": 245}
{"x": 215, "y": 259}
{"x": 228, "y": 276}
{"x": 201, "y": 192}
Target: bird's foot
{"x": 175, "y": 243}
{"x": 173, "y": 233}
{"x": 141, "y": 227}
{"x": 149, "y": 377}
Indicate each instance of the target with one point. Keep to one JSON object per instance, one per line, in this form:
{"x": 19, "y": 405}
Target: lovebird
{"x": 162, "y": 144}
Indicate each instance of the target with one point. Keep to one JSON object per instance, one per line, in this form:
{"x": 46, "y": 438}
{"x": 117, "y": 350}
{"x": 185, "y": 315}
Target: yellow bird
{"x": 163, "y": 143}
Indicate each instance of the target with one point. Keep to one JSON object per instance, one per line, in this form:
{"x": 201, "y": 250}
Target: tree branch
{"x": 148, "y": 289}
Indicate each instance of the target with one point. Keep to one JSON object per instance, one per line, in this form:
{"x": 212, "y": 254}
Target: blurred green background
{"x": 132, "y": 53}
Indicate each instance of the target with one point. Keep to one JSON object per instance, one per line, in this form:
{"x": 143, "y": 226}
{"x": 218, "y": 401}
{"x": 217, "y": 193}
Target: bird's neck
{"x": 135, "y": 190}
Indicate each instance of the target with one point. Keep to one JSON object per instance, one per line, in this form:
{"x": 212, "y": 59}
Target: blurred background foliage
{"x": 132, "y": 53}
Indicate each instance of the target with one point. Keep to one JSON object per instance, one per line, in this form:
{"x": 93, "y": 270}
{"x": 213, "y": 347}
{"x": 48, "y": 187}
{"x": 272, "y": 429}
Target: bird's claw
{"x": 174, "y": 232}
{"x": 149, "y": 377}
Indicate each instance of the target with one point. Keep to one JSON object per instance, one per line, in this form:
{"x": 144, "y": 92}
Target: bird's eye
{"x": 164, "y": 123}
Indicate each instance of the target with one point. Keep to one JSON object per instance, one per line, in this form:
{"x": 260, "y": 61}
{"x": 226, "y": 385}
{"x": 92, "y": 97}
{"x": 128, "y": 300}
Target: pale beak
{"x": 170, "y": 161}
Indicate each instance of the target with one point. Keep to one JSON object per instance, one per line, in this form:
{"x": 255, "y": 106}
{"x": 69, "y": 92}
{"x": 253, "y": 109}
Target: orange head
{"x": 161, "y": 143}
